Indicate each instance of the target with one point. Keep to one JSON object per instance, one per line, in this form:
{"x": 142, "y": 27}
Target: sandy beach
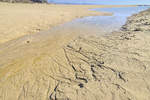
{"x": 68, "y": 66}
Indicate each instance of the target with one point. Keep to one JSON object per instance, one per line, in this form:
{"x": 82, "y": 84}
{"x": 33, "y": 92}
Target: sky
{"x": 105, "y": 2}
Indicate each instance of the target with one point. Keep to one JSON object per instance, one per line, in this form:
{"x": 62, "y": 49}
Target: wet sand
{"x": 111, "y": 67}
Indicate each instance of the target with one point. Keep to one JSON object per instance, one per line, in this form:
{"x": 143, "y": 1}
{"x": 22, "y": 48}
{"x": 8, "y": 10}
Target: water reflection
{"x": 105, "y": 23}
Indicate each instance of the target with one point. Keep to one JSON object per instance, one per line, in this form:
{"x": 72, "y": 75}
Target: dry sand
{"x": 47, "y": 67}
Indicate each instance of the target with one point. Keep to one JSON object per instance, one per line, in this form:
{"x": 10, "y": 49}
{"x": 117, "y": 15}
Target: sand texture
{"x": 47, "y": 67}
{"x": 113, "y": 67}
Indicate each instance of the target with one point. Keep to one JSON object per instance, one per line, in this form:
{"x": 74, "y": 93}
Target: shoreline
{"x": 21, "y": 20}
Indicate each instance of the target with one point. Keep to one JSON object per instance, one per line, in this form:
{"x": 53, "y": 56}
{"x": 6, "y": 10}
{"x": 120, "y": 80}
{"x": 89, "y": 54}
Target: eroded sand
{"x": 113, "y": 67}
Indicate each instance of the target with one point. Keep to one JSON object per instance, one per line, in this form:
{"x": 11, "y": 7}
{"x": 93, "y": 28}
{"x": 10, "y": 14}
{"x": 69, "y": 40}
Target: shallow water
{"x": 104, "y": 24}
